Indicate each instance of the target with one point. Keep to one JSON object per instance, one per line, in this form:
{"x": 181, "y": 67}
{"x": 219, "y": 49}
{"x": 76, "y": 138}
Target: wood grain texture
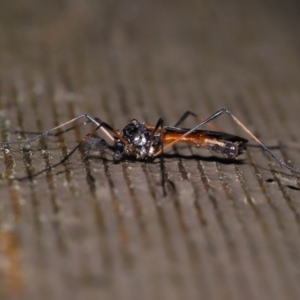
{"x": 99, "y": 230}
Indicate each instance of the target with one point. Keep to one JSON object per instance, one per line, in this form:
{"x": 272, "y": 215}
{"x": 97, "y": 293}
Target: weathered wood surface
{"x": 231, "y": 231}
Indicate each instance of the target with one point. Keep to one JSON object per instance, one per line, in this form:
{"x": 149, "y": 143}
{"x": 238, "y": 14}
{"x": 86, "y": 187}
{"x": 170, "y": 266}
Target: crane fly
{"x": 140, "y": 141}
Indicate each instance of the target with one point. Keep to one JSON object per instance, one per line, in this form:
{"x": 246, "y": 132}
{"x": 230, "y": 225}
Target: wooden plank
{"x": 99, "y": 230}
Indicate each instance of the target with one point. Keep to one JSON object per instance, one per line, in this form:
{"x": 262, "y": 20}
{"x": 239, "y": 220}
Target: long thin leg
{"x": 159, "y": 124}
{"x": 83, "y": 141}
{"x": 189, "y": 113}
{"x": 107, "y": 130}
{"x": 111, "y": 133}
{"x": 51, "y": 134}
{"x": 240, "y": 124}
{"x": 52, "y": 167}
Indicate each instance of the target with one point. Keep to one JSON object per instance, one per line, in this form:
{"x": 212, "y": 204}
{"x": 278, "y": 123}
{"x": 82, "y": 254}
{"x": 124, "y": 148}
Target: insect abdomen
{"x": 226, "y": 148}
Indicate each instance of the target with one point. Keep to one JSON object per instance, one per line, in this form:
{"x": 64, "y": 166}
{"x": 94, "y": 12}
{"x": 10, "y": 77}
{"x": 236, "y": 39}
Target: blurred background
{"x": 98, "y": 230}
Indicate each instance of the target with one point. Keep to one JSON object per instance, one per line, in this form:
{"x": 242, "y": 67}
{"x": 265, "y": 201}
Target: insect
{"x": 140, "y": 141}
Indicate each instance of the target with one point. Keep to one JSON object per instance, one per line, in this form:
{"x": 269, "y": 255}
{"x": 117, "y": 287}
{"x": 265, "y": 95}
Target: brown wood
{"x": 98, "y": 230}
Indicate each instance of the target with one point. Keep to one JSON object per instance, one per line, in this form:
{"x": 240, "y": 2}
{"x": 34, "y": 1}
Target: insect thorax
{"x": 138, "y": 137}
